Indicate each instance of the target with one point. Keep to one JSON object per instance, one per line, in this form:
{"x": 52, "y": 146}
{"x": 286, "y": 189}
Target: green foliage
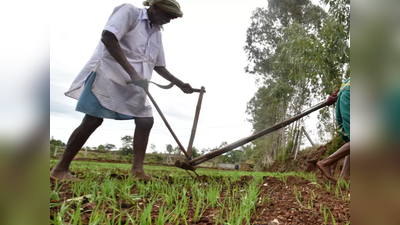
{"x": 299, "y": 54}
{"x": 127, "y": 145}
{"x": 195, "y": 152}
{"x": 232, "y": 156}
{"x": 284, "y": 153}
{"x": 334, "y": 145}
{"x": 169, "y": 148}
{"x": 159, "y": 158}
{"x": 128, "y": 157}
{"x": 109, "y": 146}
{"x": 57, "y": 143}
{"x": 52, "y": 149}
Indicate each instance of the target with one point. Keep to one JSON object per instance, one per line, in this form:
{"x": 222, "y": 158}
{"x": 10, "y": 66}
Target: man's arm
{"x": 185, "y": 87}
{"x": 113, "y": 47}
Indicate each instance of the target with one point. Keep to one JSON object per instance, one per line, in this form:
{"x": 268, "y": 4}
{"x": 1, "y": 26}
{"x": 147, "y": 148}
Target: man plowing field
{"x": 130, "y": 49}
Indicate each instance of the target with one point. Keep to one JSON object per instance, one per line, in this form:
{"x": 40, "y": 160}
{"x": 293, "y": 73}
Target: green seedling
{"x": 311, "y": 200}
{"x": 333, "y": 219}
{"x": 297, "y": 194}
{"x": 328, "y": 186}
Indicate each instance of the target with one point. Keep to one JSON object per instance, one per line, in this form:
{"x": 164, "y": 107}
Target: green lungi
{"x": 343, "y": 111}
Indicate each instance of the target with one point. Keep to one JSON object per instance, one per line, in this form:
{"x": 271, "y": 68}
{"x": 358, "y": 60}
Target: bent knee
{"x": 92, "y": 122}
{"x": 144, "y": 123}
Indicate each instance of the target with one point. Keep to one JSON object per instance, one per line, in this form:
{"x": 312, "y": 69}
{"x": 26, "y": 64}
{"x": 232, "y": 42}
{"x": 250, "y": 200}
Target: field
{"x": 106, "y": 195}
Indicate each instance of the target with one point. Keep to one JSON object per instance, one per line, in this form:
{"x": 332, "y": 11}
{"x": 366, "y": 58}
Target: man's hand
{"x": 333, "y": 98}
{"x": 186, "y": 88}
{"x": 140, "y": 82}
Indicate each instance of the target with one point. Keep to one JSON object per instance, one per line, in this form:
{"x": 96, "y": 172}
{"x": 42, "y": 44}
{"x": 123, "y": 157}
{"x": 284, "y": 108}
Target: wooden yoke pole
{"x": 196, "y": 119}
{"x": 250, "y": 138}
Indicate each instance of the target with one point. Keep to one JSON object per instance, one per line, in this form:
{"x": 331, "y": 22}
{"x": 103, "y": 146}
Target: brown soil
{"x": 305, "y": 161}
{"x": 282, "y": 205}
{"x": 287, "y": 210}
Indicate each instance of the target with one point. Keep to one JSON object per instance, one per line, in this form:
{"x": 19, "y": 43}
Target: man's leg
{"x": 76, "y": 141}
{"x": 325, "y": 165}
{"x": 346, "y": 168}
{"x": 140, "y": 140}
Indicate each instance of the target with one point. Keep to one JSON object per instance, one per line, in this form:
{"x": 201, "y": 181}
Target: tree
{"x": 127, "y": 145}
{"x": 204, "y": 150}
{"x": 109, "y": 146}
{"x": 299, "y": 55}
{"x": 169, "y": 148}
{"x": 159, "y": 158}
{"x": 232, "y": 156}
{"x": 177, "y": 150}
{"x": 194, "y": 152}
{"x": 101, "y": 147}
{"x": 57, "y": 142}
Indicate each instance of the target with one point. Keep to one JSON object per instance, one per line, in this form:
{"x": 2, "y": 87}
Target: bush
{"x": 283, "y": 154}
{"x": 334, "y": 145}
{"x": 52, "y": 149}
{"x": 159, "y": 158}
{"x": 129, "y": 157}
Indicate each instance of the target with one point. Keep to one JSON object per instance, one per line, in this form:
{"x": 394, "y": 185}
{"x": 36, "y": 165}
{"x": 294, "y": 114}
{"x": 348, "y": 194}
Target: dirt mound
{"x": 305, "y": 161}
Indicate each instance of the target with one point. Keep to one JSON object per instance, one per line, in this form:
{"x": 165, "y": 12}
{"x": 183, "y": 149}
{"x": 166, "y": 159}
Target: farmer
{"x": 129, "y": 50}
{"x": 343, "y": 119}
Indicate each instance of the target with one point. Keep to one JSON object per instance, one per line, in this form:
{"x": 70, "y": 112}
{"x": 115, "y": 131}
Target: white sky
{"x": 204, "y": 48}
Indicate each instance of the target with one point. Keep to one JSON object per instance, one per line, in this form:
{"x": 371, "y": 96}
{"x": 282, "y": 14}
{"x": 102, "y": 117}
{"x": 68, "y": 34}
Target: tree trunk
{"x": 55, "y": 151}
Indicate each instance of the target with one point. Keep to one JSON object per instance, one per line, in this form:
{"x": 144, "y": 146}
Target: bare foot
{"x": 326, "y": 170}
{"x": 141, "y": 176}
{"x": 63, "y": 176}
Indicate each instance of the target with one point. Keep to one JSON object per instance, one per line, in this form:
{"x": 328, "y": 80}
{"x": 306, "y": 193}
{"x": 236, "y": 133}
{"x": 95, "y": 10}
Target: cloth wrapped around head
{"x": 170, "y": 6}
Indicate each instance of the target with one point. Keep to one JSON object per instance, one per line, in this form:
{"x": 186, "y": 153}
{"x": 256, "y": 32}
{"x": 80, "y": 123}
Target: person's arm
{"x": 333, "y": 98}
{"x": 185, "y": 87}
{"x": 114, "y": 48}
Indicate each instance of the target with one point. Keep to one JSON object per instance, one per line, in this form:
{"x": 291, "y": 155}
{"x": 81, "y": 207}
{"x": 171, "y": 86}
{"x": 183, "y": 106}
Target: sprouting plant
{"x": 145, "y": 217}
{"x": 200, "y": 209}
{"x": 63, "y": 210}
{"x": 77, "y": 215}
{"x": 163, "y": 216}
{"x": 283, "y": 178}
{"x": 311, "y": 200}
{"x": 54, "y": 195}
{"x": 333, "y": 219}
{"x": 268, "y": 198}
{"x": 325, "y": 216}
{"x": 213, "y": 193}
{"x": 297, "y": 194}
{"x": 328, "y": 186}
{"x": 337, "y": 192}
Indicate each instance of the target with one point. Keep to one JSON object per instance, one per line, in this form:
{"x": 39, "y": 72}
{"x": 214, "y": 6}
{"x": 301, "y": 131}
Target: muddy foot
{"x": 63, "y": 176}
{"x": 141, "y": 176}
{"x": 326, "y": 170}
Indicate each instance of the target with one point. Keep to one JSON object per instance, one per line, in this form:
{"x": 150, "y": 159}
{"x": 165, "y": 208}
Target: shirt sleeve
{"x": 121, "y": 20}
{"x": 160, "y": 61}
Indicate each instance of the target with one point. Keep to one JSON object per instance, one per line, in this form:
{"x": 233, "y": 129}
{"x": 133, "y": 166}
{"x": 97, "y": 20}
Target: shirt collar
{"x": 145, "y": 16}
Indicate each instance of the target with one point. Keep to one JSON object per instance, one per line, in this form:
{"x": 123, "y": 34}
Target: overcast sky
{"x": 204, "y": 48}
